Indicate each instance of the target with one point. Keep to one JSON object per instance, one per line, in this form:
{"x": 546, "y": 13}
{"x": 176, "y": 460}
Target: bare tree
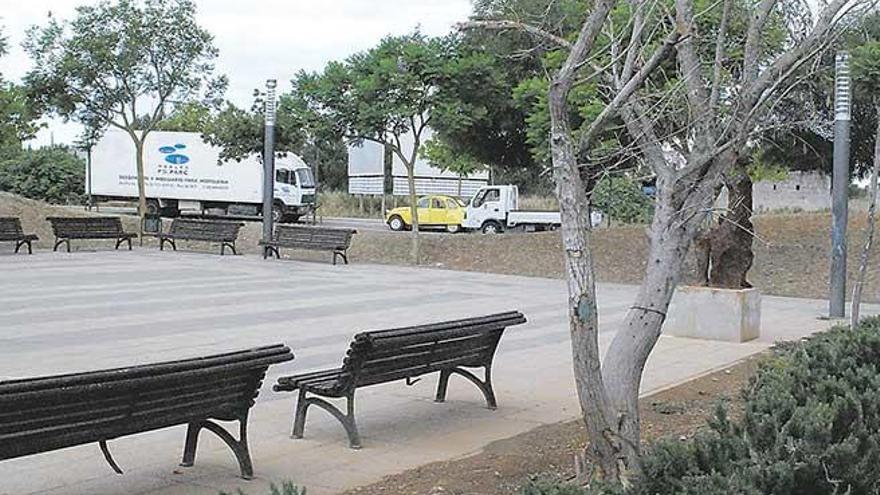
{"x": 722, "y": 112}
{"x": 869, "y": 227}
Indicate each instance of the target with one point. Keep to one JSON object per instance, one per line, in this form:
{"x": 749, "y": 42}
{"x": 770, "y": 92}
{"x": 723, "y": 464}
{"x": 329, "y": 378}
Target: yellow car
{"x": 434, "y": 211}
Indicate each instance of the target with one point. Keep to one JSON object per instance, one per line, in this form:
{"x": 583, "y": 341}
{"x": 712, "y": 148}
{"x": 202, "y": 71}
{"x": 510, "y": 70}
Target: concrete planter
{"x": 730, "y": 315}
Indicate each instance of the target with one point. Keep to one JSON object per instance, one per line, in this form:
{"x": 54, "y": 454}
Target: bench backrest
{"x": 43, "y": 414}
{"x": 10, "y": 229}
{"x": 205, "y": 230}
{"x": 388, "y": 355}
{"x": 86, "y": 227}
{"x": 315, "y": 237}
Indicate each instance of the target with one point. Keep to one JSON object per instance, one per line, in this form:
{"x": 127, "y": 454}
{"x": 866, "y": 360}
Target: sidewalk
{"x": 88, "y": 310}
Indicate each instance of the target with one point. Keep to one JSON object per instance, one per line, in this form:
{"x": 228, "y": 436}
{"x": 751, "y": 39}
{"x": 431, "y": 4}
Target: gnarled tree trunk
{"x": 730, "y": 241}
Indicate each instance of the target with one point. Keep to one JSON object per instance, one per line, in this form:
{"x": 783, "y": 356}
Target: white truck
{"x": 494, "y": 209}
{"x": 184, "y": 174}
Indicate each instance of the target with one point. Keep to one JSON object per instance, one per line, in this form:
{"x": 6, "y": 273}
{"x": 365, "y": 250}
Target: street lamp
{"x": 840, "y": 184}
{"x": 269, "y": 160}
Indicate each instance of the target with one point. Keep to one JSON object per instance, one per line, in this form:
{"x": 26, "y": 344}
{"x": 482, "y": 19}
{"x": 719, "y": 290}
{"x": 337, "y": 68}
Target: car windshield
{"x": 306, "y": 179}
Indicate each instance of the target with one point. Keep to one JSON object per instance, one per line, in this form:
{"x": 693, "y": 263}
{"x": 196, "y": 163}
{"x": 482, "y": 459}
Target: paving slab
{"x": 62, "y": 313}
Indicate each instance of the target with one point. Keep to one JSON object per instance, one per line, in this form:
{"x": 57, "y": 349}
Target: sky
{"x": 257, "y": 39}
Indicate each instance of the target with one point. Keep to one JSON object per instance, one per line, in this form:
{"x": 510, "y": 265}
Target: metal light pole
{"x": 269, "y": 160}
{"x": 840, "y": 185}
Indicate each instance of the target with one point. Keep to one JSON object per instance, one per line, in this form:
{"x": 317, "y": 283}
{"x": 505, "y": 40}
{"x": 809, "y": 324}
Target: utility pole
{"x": 840, "y": 185}
{"x": 269, "y": 161}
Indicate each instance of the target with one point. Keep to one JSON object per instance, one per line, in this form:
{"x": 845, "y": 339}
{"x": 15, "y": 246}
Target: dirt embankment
{"x": 791, "y": 250}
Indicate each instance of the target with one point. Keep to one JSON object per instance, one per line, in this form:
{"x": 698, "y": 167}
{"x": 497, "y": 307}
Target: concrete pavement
{"x": 89, "y": 310}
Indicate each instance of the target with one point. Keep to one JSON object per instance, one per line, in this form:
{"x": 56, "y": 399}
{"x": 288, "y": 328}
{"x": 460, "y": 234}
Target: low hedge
{"x": 810, "y": 425}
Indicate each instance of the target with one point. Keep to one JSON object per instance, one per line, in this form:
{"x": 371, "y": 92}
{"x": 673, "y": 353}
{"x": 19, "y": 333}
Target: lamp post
{"x": 269, "y": 160}
{"x": 840, "y": 185}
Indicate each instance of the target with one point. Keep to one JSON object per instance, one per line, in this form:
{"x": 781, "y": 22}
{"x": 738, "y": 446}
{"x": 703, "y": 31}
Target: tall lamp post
{"x": 840, "y": 185}
{"x": 269, "y": 160}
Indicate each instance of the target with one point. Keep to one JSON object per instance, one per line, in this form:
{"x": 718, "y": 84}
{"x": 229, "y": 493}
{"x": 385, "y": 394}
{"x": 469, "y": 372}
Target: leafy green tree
{"x": 18, "y": 114}
{"x": 124, "y": 64}
{"x": 52, "y": 174}
{"x": 391, "y": 93}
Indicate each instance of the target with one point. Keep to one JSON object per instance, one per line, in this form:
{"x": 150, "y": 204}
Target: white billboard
{"x": 366, "y": 172}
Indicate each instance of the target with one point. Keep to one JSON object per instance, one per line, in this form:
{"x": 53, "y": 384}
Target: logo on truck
{"x": 173, "y": 154}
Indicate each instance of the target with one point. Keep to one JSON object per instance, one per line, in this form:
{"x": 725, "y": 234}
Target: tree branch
{"x": 503, "y": 25}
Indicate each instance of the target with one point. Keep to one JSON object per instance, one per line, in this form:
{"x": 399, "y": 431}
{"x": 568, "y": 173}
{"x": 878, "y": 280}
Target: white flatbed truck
{"x": 495, "y": 209}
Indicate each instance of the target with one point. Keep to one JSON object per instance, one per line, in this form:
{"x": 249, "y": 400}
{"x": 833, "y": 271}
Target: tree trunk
{"x": 730, "y": 242}
{"x": 415, "y": 252}
{"x": 142, "y": 188}
{"x": 604, "y": 448}
{"x": 625, "y": 360}
{"x": 869, "y": 228}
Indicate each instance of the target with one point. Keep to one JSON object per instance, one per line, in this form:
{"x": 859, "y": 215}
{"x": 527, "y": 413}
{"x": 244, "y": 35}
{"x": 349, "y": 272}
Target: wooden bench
{"x": 315, "y": 238}
{"x": 67, "y": 228}
{"x": 402, "y": 354}
{"x": 10, "y": 231}
{"x": 226, "y": 233}
{"x": 56, "y": 412}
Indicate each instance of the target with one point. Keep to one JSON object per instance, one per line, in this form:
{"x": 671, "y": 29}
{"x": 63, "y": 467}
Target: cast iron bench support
{"x": 239, "y": 447}
{"x": 337, "y": 241}
{"x": 68, "y": 228}
{"x": 402, "y": 354}
{"x": 225, "y": 233}
{"x": 11, "y": 231}
{"x": 51, "y": 413}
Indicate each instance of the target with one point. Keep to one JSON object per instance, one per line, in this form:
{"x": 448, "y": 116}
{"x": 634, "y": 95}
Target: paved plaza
{"x": 64, "y": 312}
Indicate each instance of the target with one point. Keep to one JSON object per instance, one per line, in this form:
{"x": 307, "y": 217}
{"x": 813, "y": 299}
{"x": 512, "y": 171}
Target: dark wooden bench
{"x": 315, "y": 238}
{"x": 56, "y": 412}
{"x": 226, "y": 233}
{"x": 402, "y": 354}
{"x": 68, "y": 228}
{"x": 10, "y": 231}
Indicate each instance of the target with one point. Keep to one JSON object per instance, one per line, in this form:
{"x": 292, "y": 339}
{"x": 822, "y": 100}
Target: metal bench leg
{"x": 485, "y": 386}
{"x": 340, "y": 254}
{"x": 347, "y": 419}
{"x": 59, "y": 242}
{"x": 19, "y": 244}
{"x": 239, "y": 447}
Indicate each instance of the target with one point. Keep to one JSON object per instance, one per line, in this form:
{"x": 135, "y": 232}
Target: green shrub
{"x": 623, "y": 200}
{"x": 51, "y": 174}
{"x": 811, "y": 425}
{"x": 286, "y": 488}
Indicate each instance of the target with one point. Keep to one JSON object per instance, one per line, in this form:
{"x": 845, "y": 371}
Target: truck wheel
{"x": 453, "y": 229}
{"x": 396, "y": 223}
{"x": 278, "y": 214}
{"x": 491, "y": 227}
{"x": 153, "y": 207}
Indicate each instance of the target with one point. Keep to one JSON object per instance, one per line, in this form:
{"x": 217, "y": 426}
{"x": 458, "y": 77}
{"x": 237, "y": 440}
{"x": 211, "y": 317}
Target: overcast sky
{"x": 258, "y": 39}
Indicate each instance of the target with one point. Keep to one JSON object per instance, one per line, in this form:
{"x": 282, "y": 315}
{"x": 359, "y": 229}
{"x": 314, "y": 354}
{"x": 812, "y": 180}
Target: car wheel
{"x": 452, "y": 229}
{"x": 491, "y": 228}
{"x": 396, "y": 223}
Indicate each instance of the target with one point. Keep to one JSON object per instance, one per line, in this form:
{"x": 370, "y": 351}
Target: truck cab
{"x": 294, "y": 189}
{"x": 487, "y": 210}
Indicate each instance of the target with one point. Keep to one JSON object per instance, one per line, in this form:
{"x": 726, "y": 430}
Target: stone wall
{"x": 801, "y": 191}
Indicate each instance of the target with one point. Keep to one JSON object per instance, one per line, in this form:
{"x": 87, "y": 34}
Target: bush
{"x": 286, "y": 488}
{"x": 54, "y": 175}
{"x": 811, "y": 425}
{"x": 622, "y": 200}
